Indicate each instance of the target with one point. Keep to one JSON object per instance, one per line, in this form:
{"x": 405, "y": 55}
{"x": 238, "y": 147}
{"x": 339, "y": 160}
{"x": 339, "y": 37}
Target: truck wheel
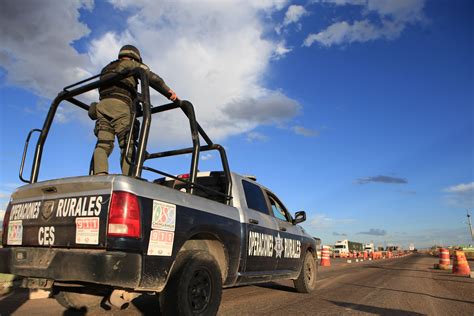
{"x": 306, "y": 281}
{"x": 194, "y": 287}
{"x": 77, "y": 300}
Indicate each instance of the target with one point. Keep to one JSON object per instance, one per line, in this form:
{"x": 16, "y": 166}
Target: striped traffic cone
{"x": 444, "y": 262}
{"x": 460, "y": 265}
{"x": 325, "y": 257}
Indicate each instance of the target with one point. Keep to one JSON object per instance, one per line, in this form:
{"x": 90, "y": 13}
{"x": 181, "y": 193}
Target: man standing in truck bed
{"x": 113, "y": 112}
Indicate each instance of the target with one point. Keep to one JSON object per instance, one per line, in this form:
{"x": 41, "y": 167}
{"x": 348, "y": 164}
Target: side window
{"x": 254, "y": 197}
{"x": 278, "y": 211}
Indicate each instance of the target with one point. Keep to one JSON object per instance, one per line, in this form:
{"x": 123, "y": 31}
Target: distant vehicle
{"x": 411, "y": 247}
{"x": 393, "y": 248}
{"x": 369, "y": 247}
{"x": 345, "y": 246}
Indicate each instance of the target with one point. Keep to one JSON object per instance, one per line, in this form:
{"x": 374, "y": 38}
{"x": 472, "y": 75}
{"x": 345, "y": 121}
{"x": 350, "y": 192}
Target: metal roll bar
{"x": 146, "y": 110}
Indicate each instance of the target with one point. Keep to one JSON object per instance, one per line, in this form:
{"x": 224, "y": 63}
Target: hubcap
{"x": 199, "y": 290}
{"x": 309, "y": 268}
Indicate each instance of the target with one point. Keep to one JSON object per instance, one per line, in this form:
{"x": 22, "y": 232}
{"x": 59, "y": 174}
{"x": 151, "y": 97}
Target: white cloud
{"x": 294, "y": 14}
{"x": 462, "y": 188}
{"x": 2, "y": 214}
{"x": 300, "y": 130}
{"x": 460, "y": 195}
{"x": 36, "y": 38}
{"x": 322, "y": 221}
{"x": 281, "y": 50}
{"x": 256, "y": 137}
{"x": 394, "y": 17}
{"x": 4, "y": 195}
{"x": 213, "y": 53}
{"x": 206, "y": 156}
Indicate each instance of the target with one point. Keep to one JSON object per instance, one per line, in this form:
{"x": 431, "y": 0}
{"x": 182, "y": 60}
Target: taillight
{"x": 124, "y": 215}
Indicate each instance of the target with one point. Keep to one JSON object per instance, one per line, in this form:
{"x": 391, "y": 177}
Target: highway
{"x": 397, "y": 286}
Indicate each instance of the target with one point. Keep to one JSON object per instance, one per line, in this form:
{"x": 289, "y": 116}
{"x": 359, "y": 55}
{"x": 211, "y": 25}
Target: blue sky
{"x": 359, "y": 112}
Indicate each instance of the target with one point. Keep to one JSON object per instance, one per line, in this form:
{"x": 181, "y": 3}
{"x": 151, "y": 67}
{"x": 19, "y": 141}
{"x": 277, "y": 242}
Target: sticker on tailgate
{"x": 161, "y": 243}
{"x": 15, "y": 233}
{"x": 87, "y": 230}
{"x": 164, "y": 216}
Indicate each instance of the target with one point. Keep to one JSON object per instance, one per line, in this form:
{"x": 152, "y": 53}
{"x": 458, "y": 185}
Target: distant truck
{"x": 369, "y": 247}
{"x": 345, "y": 246}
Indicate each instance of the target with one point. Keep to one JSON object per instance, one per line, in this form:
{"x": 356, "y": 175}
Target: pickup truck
{"x": 95, "y": 240}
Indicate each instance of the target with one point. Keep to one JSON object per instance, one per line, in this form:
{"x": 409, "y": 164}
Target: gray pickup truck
{"x": 96, "y": 240}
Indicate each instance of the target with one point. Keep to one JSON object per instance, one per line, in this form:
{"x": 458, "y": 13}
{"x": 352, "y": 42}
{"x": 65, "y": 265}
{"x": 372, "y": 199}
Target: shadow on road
{"x": 11, "y": 302}
{"x": 147, "y": 304}
{"x": 374, "y": 309}
{"x": 276, "y": 286}
{"x": 397, "y": 269}
{"x": 436, "y": 279}
{"x": 410, "y": 292}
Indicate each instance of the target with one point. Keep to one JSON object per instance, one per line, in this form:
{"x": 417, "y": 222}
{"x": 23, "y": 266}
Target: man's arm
{"x": 157, "y": 83}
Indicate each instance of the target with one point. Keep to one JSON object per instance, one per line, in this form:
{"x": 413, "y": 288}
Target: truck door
{"x": 260, "y": 230}
{"x": 288, "y": 239}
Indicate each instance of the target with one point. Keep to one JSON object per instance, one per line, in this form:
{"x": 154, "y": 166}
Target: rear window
{"x": 215, "y": 181}
{"x": 254, "y": 197}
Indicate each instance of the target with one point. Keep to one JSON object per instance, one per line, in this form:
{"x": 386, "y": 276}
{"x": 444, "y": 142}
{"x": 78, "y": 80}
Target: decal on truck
{"x": 163, "y": 223}
{"x": 25, "y": 211}
{"x": 161, "y": 243}
{"x": 81, "y": 206}
{"x": 164, "y": 216}
{"x": 263, "y": 245}
{"x": 46, "y": 236}
{"x": 87, "y": 230}
{"x": 15, "y": 233}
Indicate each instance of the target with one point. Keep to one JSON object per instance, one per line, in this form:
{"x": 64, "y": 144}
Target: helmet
{"x": 130, "y": 51}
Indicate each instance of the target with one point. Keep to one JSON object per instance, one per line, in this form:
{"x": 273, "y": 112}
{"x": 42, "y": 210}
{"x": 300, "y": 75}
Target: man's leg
{"x": 121, "y": 124}
{"x": 103, "y": 149}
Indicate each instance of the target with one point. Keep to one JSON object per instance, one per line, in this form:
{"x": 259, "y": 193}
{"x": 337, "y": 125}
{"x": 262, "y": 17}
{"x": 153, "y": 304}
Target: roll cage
{"x": 142, "y": 107}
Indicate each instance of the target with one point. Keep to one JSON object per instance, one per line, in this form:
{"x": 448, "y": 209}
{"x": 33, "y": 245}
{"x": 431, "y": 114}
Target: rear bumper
{"x": 112, "y": 268}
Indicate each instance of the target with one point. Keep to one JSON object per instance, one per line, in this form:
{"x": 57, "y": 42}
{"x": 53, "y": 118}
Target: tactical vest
{"x": 125, "y": 89}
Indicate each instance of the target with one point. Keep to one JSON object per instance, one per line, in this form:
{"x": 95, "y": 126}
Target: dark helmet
{"x": 130, "y": 51}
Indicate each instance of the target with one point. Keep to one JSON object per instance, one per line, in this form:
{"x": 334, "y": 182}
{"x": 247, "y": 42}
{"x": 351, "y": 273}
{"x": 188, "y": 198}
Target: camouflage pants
{"x": 113, "y": 118}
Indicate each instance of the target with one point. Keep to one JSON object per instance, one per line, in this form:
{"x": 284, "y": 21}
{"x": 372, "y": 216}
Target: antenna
{"x": 470, "y": 225}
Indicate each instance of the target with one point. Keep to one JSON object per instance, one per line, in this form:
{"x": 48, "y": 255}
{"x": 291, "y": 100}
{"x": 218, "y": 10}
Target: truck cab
{"x": 341, "y": 248}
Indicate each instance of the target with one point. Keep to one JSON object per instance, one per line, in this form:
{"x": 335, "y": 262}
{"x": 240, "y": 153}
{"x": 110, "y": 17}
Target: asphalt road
{"x": 398, "y": 286}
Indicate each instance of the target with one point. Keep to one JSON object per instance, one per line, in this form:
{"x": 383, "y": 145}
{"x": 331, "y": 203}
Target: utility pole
{"x": 470, "y": 225}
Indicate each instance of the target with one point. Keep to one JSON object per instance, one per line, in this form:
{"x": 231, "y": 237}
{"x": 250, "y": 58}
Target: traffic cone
{"x": 325, "y": 258}
{"x": 444, "y": 262}
{"x": 460, "y": 265}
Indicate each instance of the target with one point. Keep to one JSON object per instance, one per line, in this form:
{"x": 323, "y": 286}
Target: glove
{"x": 173, "y": 95}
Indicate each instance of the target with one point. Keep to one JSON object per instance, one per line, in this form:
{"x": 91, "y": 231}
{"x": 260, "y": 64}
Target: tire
{"x": 194, "y": 287}
{"x": 306, "y": 281}
{"x": 77, "y": 300}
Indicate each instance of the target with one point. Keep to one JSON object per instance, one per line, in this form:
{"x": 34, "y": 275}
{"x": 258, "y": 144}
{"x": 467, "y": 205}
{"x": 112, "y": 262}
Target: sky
{"x": 359, "y": 112}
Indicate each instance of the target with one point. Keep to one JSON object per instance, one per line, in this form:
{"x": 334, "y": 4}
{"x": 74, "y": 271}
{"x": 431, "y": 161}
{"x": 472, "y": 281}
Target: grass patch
{"x": 6, "y": 277}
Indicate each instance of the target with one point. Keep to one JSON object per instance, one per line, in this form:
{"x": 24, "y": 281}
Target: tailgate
{"x": 68, "y": 213}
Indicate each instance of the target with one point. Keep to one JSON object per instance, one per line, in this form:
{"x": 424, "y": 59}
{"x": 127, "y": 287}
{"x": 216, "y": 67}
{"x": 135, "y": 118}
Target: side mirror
{"x": 299, "y": 217}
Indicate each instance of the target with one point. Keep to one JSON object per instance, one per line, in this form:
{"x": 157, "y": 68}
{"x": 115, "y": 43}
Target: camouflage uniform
{"x": 114, "y": 112}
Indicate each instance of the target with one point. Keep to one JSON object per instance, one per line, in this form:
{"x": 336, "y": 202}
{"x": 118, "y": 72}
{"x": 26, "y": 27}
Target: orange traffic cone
{"x": 444, "y": 262}
{"x": 325, "y": 257}
{"x": 460, "y": 265}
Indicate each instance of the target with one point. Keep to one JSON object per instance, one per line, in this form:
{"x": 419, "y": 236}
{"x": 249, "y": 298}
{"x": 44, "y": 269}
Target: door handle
{"x": 253, "y": 221}
{"x": 283, "y": 229}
